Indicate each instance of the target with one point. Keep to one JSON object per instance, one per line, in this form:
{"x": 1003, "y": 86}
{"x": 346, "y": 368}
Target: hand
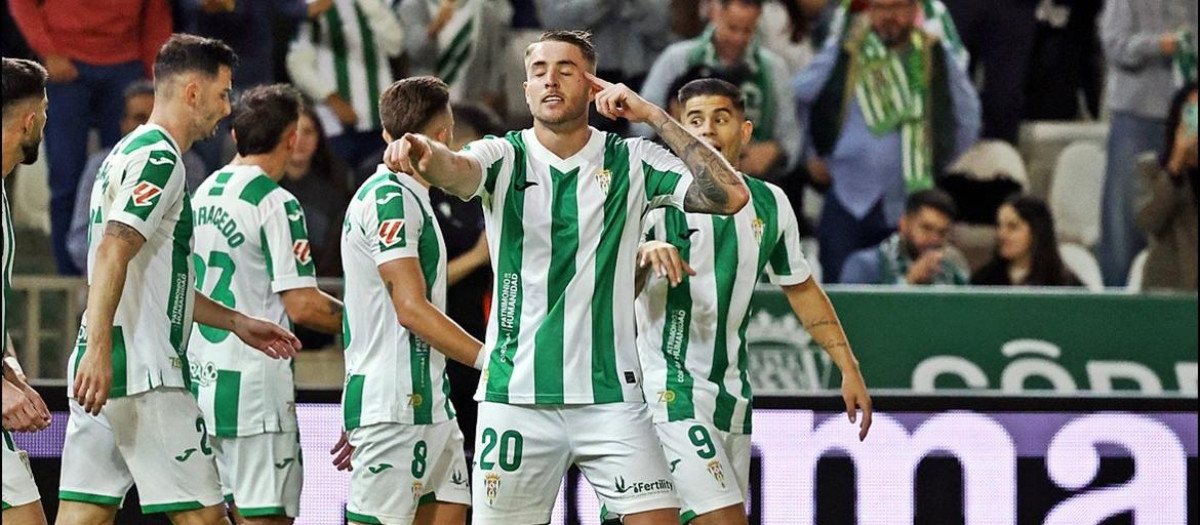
{"x": 93, "y": 378}
{"x": 759, "y": 157}
{"x": 926, "y": 267}
{"x": 665, "y": 260}
{"x": 619, "y": 101}
{"x": 60, "y": 68}
{"x": 1168, "y": 44}
{"x": 1183, "y": 155}
{"x": 480, "y": 250}
{"x": 344, "y": 111}
{"x": 21, "y": 412}
{"x": 318, "y": 7}
{"x": 38, "y": 403}
{"x": 409, "y": 154}
{"x": 818, "y": 173}
{"x": 854, "y": 393}
{"x": 341, "y": 453}
{"x": 266, "y": 337}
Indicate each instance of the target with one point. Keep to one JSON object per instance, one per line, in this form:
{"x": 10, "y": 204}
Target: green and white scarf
{"x": 456, "y": 40}
{"x": 935, "y": 21}
{"x": 1185, "y": 58}
{"x": 892, "y": 90}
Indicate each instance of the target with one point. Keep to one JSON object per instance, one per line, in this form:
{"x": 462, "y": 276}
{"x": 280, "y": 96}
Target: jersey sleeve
{"x": 285, "y": 246}
{"x": 787, "y": 265}
{"x": 654, "y": 226}
{"x": 394, "y": 222}
{"x": 153, "y": 182}
{"x": 667, "y": 179}
{"x": 494, "y": 156}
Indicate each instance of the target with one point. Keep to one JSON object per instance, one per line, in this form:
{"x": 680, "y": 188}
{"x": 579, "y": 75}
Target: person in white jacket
{"x": 339, "y": 58}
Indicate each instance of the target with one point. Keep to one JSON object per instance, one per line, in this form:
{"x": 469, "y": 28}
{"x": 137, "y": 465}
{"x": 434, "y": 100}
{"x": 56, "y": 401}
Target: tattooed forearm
{"x": 124, "y": 233}
{"x": 818, "y": 323}
{"x": 716, "y": 187}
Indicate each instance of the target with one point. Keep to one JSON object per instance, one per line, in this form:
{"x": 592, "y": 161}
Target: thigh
{"x": 739, "y": 448}
{"x": 622, "y": 458}
{"x": 263, "y": 473}
{"x": 164, "y": 440}
{"x": 447, "y": 477}
{"x": 93, "y": 470}
{"x": 706, "y": 476}
{"x": 19, "y": 488}
{"x": 521, "y": 454}
{"x": 390, "y": 466}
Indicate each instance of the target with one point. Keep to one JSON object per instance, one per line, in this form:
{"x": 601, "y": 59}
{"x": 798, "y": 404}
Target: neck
{"x": 12, "y": 151}
{"x": 1018, "y": 269}
{"x": 566, "y": 139}
{"x": 273, "y": 164}
{"x": 176, "y": 123}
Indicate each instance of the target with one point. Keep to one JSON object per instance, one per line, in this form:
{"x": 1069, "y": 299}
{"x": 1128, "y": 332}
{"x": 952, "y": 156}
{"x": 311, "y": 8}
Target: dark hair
{"x": 186, "y": 53}
{"x": 713, "y": 87}
{"x": 932, "y": 198}
{"x": 23, "y": 79}
{"x": 324, "y": 163}
{"x": 1174, "y": 118}
{"x": 138, "y": 88}
{"x": 797, "y": 23}
{"x": 479, "y": 118}
{"x": 579, "y": 39}
{"x": 735, "y": 75}
{"x": 261, "y": 116}
{"x": 1046, "y": 267}
{"x": 409, "y": 105}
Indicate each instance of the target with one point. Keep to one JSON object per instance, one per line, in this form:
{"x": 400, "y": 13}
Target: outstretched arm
{"x": 456, "y": 173}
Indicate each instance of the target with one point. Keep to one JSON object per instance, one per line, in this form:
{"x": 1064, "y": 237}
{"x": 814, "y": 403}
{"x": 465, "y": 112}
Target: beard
{"x": 567, "y": 115}
{"x": 29, "y": 150}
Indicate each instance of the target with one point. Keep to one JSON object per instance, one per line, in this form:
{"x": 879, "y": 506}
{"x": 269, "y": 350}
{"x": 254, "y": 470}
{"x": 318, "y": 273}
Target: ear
{"x": 191, "y": 93}
{"x": 387, "y": 137}
{"x": 29, "y": 122}
{"x": 747, "y": 132}
{"x": 442, "y": 135}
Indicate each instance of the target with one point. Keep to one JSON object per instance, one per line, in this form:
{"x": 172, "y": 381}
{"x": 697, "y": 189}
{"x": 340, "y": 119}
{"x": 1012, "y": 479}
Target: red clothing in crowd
{"x": 95, "y": 32}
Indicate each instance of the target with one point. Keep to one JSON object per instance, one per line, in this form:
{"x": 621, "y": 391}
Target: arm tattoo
{"x": 713, "y": 176}
{"x": 124, "y": 233}
{"x": 810, "y": 326}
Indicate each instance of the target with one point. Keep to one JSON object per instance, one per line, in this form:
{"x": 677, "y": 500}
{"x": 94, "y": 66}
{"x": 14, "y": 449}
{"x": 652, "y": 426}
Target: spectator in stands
{"x": 318, "y": 180}
{"x": 461, "y": 42}
{"x": 340, "y": 60}
{"x": 876, "y": 152}
{"x": 1150, "y": 46}
{"x": 919, "y": 253}
{"x": 1167, "y": 209}
{"x": 787, "y": 29}
{"x": 729, "y": 42}
{"x": 1026, "y": 248}
{"x": 139, "y": 102}
{"x": 1066, "y": 69}
{"x": 92, "y": 50}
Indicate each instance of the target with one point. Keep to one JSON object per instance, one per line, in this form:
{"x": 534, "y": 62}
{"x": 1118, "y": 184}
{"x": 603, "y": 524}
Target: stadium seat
{"x": 1137, "y": 272}
{"x": 1083, "y": 264}
{"x": 1075, "y": 193}
{"x": 1042, "y": 142}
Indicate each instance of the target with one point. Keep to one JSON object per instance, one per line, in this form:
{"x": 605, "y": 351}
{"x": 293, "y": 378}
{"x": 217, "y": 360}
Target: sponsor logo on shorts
{"x": 640, "y": 487}
{"x": 186, "y": 454}
{"x": 675, "y": 464}
{"x": 284, "y": 464}
{"x": 714, "y": 468}
{"x": 491, "y": 485}
{"x": 458, "y": 478}
{"x": 376, "y": 469}
{"x": 417, "y": 489}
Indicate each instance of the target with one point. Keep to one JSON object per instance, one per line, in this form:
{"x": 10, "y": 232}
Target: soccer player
{"x": 408, "y": 460}
{"x": 564, "y": 205}
{"x": 24, "y": 411}
{"x": 692, "y": 316}
{"x": 252, "y": 253}
{"x": 132, "y": 417}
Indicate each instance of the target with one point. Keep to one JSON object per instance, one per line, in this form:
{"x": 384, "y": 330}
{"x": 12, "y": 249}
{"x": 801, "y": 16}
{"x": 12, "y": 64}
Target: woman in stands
{"x": 1026, "y": 248}
{"x": 1166, "y": 209}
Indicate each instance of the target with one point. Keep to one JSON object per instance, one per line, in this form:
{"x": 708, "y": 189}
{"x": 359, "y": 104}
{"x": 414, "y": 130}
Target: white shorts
{"x": 398, "y": 468}
{"x": 712, "y": 467}
{"x": 522, "y": 452}
{"x": 156, "y": 439}
{"x": 262, "y": 474}
{"x": 19, "y": 488}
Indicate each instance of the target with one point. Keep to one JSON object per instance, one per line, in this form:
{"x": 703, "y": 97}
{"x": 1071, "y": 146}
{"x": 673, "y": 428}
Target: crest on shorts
{"x": 491, "y": 486}
{"x": 714, "y": 468}
{"x": 604, "y": 177}
{"x": 417, "y": 489}
{"x": 757, "y": 226}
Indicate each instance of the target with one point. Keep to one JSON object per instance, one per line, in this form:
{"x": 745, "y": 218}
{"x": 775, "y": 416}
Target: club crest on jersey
{"x": 145, "y": 194}
{"x": 757, "y": 226}
{"x": 302, "y": 251}
{"x": 390, "y": 232}
{"x": 714, "y": 468}
{"x": 604, "y": 177}
{"x": 491, "y": 485}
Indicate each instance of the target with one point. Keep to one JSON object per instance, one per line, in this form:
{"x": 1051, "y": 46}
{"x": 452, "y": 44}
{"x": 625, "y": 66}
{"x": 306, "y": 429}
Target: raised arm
{"x": 716, "y": 188}
{"x": 457, "y": 174}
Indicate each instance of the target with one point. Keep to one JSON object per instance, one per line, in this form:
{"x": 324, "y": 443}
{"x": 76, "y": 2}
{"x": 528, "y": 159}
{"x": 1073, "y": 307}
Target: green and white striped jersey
{"x": 141, "y": 184}
{"x": 251, "y": 245}
{"x": 692, "y": 338}
{"x": 9, "y": 249}
{"x": 392, "y": 376}
{"x": 563, "y": 235}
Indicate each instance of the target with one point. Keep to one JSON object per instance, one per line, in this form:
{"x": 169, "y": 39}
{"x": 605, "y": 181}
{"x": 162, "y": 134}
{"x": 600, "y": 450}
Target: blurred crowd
{"x": 892, "y": 124}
